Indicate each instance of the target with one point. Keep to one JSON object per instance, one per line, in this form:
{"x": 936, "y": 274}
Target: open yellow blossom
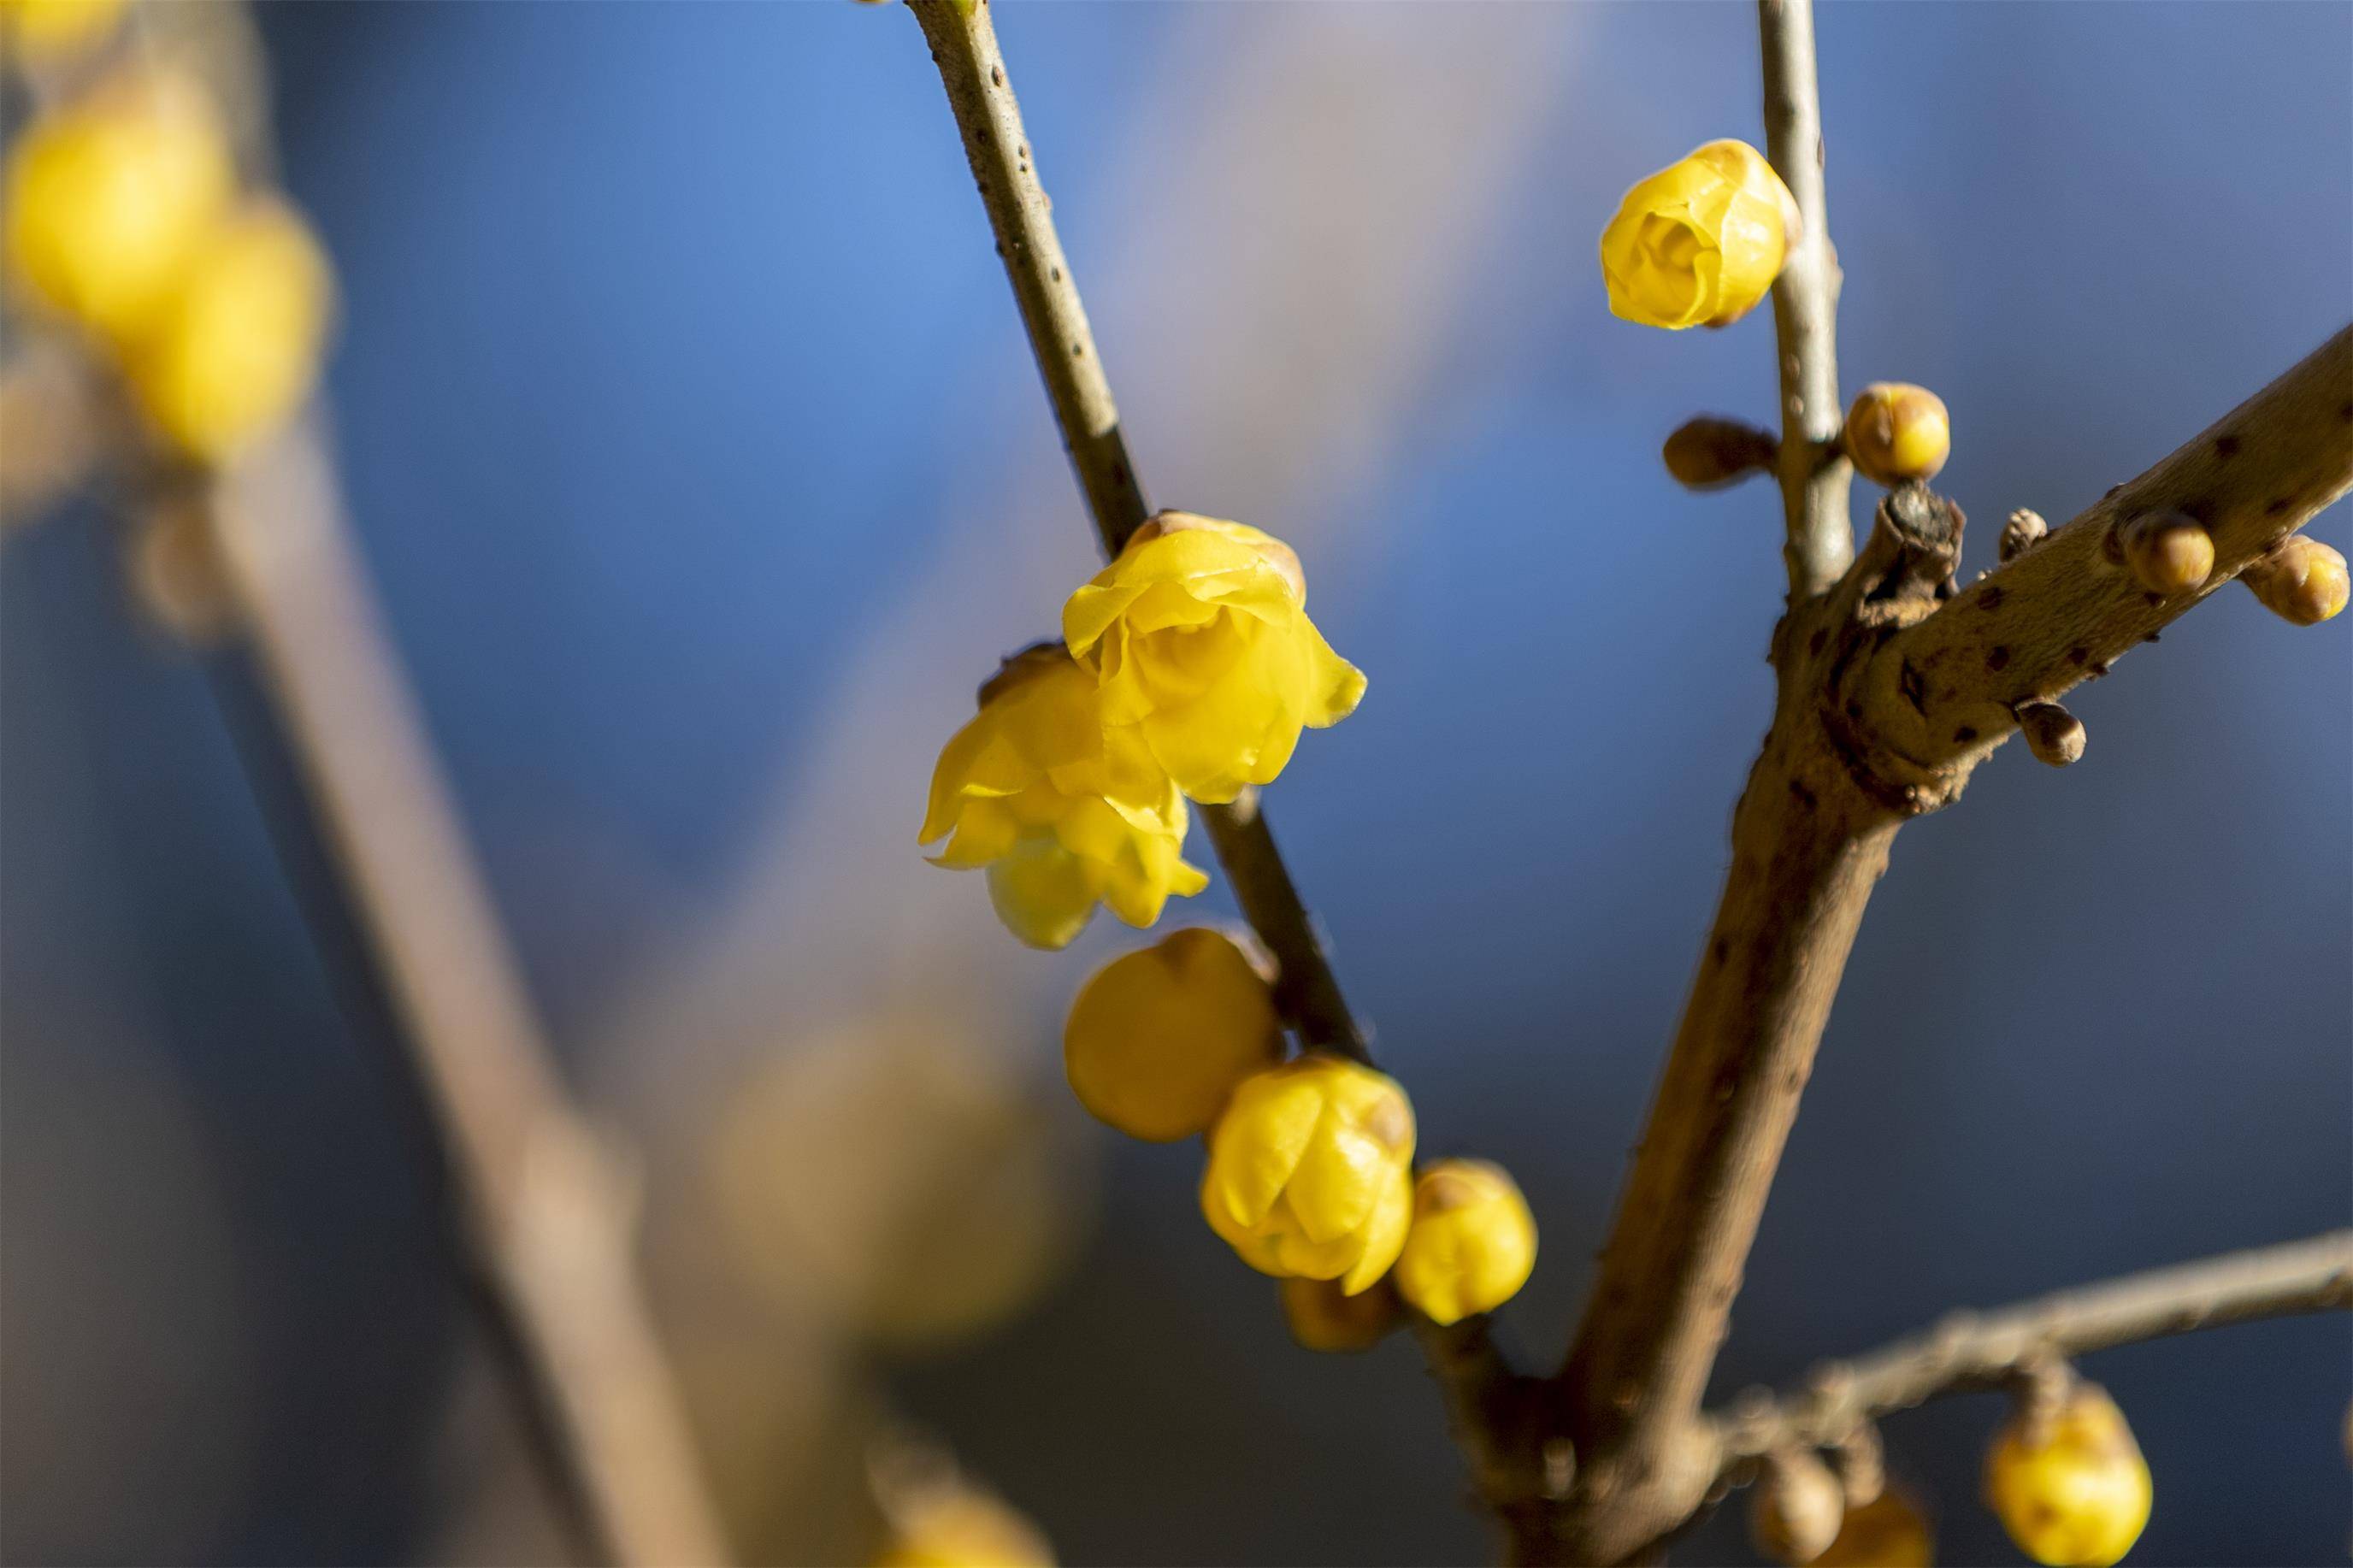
{"x": 1308, "y": 1172}
{"x": 1700, "y": 242}
{"x": 2071, "y": 1488}
{"x": 1199, "y": 635}
{"x": 1157, "y": 1040}
{"x": 109, "y": 197}
{"x": 1474, "y": 1242}
{"x": 1062, "y": 814}
{"x": 235, "y": 347}
{"x": 39, "y": 32}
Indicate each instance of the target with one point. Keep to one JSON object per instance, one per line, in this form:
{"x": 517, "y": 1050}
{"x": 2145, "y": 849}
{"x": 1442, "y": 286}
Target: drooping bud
{"x": 2070, "y": 1485}
{"x": 1796, "y": 1509}
{"x": 2166, "y": 553}
{"x": 1708, "y": 453}
{"x": 1474, "y": 1242}
{"x": 2300, "y": 579}
{"x": 2055, "y": 735}
{"x": 1896, "y": 433}
{"x": 1157, "y": 1040}
{"x": 2023, "y": 533}
{"x": 1323, "y": 1317}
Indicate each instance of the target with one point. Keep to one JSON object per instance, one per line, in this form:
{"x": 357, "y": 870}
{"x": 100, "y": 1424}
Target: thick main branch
{"x": 1985, "y": 1350}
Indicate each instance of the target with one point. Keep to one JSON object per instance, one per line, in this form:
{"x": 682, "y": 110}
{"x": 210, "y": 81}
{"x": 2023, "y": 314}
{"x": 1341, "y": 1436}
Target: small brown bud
{"x": 1321, "y": 1318}
{"x": 1795, "y": 1510}
{"x": 2023, "y": 533}
{"x": 2055, "y": 735}
{"x": 2299, "y": 580}
{"x": 1896, "y": 433}
{"x": 2169, "y": 554}
{"x": 1709, "y": 453}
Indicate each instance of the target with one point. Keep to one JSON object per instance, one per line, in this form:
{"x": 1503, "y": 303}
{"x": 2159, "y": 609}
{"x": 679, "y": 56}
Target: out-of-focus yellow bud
{"x": 1700, "y": 241}
{"x": 1886, "y": 1533}
{"x": 1896, "y": 433}
{"x": 37, "y": 33}
{"x": 2070, "y": 1486}
{"x": 2169, "y": 554}
{"x": 1308, "y": 1172}
{"x": 1199, "y": 635}
{"x": 1157, "y": 1040}
{"x": 1323, "y": 1317}
{"x": 1061, "y": 812}
{"x": 965, "y": 1529}
{"x": 1472, "y": 1243}
{"x": 1796, "y": 1507}
{"x": 109, "y": 197}
{"x": 236, "y": 348}
{"x": 2300, "y": 579}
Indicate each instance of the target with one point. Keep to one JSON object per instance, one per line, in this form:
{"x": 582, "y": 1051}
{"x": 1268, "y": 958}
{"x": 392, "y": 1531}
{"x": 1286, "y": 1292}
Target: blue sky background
{"x": 687, "y": 427}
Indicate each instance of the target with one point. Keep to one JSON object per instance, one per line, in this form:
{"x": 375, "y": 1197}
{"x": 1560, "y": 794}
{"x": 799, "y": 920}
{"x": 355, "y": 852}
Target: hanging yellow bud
{"x": 1157, "y": 1040}
{"x": 1308, "y": 1173}
{"x": 1062, "y": 814}
{"x": 1700, "y": 242}
{"x": 2070, "y": 1485}
{"x": 1323, "y": 1317}
{"x": 1886, "y": 1533}
{"x": 235, "y": 351}
{"x": 111, "y": 196}
{"x": 39, "y": 33}
{"x": 1199, "y": 635}
{"x": 1896, "y": 433}
{"x": 1473, "y": 1244}
{"x": 961, "y": 1528}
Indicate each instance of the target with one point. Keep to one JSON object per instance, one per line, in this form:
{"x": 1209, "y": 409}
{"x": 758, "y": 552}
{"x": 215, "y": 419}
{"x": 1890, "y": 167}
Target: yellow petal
{"x": 1384, "y": 1235}
{"x": 1256, "y": 1143}
{"x": 1042, "y": 893}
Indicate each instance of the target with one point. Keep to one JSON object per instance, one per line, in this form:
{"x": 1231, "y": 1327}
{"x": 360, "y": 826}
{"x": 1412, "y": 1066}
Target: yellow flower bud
{"x": 42, "y": 32}
{"x": 1886, "y": 1533}
{"x": 1199, "y": 635}
{"x": 2300, "y": 579}
{"x": 1700, "y": 241}
{"x": 1896, "y": 433}
{"x": 965, "y": 1529}
{"x": 1323, "y": 1317}
{"x": 1063, "y": 813}
{"x": 2070, "y": 1486}
{"x": 1157, "y": 1040}
{"x": 108, "y": 198}
{"x": 1474, "y": 1242}
{"x": 1308, "y": 1172}
{"x": 2169, "y": 554}
{"x": 236, "y": 348}
{"x": 1796, "y": 1509}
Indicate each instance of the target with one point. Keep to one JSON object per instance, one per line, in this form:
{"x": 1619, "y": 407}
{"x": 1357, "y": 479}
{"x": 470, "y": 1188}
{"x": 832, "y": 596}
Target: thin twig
{"x": 971, "y": 69}
{"x": 548, "y": 1211}
{"x": 1813, "y": 471}
{"x": 1970, "y": 1351}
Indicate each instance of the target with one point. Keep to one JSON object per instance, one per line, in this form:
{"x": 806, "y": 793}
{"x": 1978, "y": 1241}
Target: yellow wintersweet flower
{"x": 1308, "y": 1173}
{"x": 1473, "y": 1244}
{"x": 235, "y": 347}
{"x": 2071, "y": 1488}
{"x": 1157, "y": 1040}
{"x": 1199, "y": 633}
{"x": 1062, "y": 813}
{"x": 1700, "y": 241}
{"x": 109, "y": 197}
{"x": 39, "y": 32}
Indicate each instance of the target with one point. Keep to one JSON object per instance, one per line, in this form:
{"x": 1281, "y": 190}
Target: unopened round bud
{"x": 1157, "y": 1040}
{"x": 2023, "y": 533}
{"x": 2070, "y": 1486}
{"x": 1708, "y": 453}
{"x": 1794, "y": 1511}
{"x": 1323, "y": 1317}
{"x": 2168, "y": 553}
{"x": 2299, "y": 580}
{"x": 1474, "y": 1242}
{"x": 1886, "y": 1533}
{"x": 2055, "y": 735}
{"x": 1896, "y": 433}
